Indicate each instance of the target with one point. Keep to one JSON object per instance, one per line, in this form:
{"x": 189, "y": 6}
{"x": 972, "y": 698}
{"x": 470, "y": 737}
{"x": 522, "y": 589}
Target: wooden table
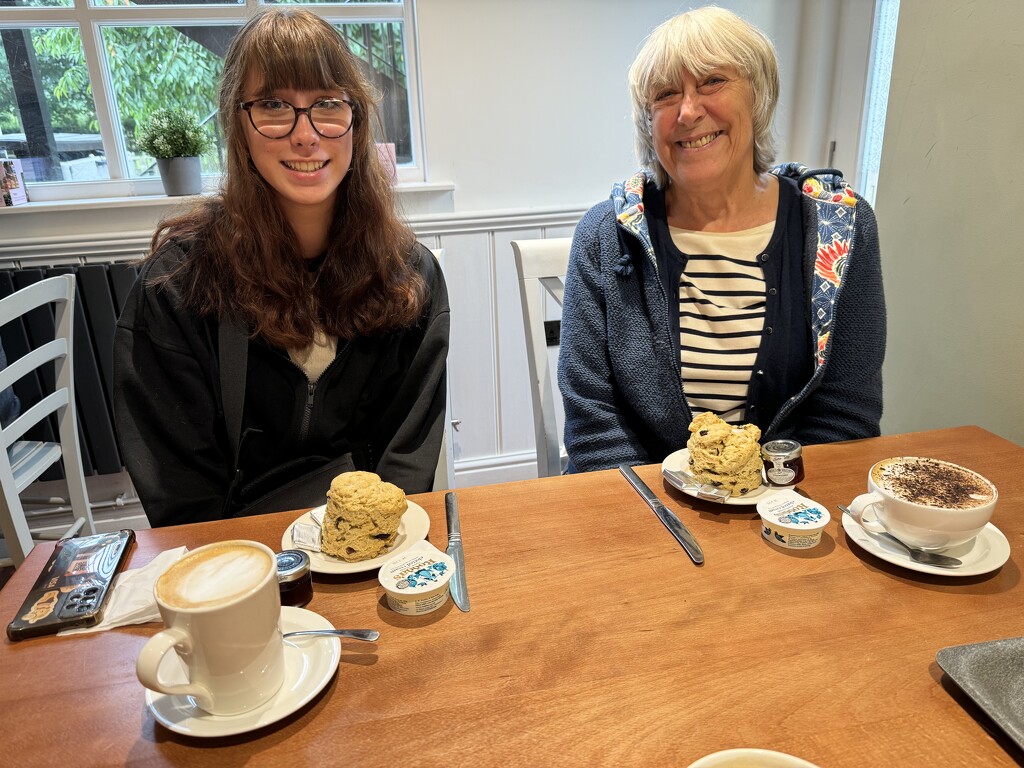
{"x": 592, "y": 640}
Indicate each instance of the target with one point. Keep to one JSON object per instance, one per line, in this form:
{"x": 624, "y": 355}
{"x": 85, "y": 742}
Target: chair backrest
{"x": 444, "y": 473}
{"x": 541, "y": 265}
{"x": 23, "y": 461}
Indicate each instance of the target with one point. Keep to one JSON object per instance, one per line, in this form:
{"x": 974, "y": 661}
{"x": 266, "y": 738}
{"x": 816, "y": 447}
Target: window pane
{"x": 382, "y": 49}
{"x": 166, "y": 66}
{"x": 47, "y": 115}
{"x": 150, "y": 3}
{"x": 40, "y": 3}
{"x": 314, "y": 2}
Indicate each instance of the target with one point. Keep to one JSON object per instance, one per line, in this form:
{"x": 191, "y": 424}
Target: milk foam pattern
{"x": 214, "y": 576}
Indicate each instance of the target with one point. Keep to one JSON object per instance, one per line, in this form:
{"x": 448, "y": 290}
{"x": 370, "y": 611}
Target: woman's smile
{"x": 304, "y": 166}
{"x": 703, "y": 141}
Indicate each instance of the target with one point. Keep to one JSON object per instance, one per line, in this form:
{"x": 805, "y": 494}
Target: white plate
{"x": 414, "y": 526}
{"x": 679, "y": 461}
{"x": 985, "y": 553}
{"x": 309, "y": 664}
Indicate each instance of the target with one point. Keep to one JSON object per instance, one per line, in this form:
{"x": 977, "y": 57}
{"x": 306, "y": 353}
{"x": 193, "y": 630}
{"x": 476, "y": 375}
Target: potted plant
{"x": 176, "y": 139}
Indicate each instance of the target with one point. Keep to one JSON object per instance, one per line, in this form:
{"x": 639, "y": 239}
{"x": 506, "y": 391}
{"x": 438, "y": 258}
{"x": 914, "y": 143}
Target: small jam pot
{"x": 294, "y": 577}
{"x": 783, "y": 463}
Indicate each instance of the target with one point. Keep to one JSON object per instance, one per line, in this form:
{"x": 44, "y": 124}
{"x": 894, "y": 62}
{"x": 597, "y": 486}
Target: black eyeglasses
{"x": 276, "y": 118}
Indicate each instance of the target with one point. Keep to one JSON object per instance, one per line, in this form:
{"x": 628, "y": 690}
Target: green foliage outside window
{"x": 173, "y": 65}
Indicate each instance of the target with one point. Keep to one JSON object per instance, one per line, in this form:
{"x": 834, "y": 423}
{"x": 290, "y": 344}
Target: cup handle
{"x": 148, "y": 666}
{"x": 860, "y": 505}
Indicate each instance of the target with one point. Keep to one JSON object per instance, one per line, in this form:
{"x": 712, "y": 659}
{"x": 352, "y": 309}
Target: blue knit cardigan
{"x": 619, "y": 365}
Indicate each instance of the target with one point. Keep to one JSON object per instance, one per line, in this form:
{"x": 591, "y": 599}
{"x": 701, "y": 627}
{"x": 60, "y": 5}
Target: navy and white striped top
{"x": 721, "y": 295}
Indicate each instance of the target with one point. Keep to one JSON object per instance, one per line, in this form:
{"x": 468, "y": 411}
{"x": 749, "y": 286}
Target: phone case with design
{"x": 73, "y": 587}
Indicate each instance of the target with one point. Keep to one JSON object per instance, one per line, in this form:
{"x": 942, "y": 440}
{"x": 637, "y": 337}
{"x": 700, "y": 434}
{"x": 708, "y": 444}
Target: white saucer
{"x": 985, "y": 553}
{"x": 679, "y": 461}
{"x": 414, "y": 526}
{"x": 309, "y": 664}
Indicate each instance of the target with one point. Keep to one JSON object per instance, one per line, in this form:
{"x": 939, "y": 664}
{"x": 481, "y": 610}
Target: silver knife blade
{"x": 457, "y": 586}
{"x": 674, "y": 525}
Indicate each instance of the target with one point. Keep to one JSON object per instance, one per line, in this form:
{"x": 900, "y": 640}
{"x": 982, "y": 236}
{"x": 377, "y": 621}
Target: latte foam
{"x": 933, "y": 483}
{"x": 213, "y": 576}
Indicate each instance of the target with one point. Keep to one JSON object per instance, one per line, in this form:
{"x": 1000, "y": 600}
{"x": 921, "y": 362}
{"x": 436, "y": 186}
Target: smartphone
{"x": 74, "y": 585}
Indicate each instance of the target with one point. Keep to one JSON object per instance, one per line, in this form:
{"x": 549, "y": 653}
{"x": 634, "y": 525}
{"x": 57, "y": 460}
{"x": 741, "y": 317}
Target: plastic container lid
{"x": 416, "y": 580}
{"x": 791, "y": 520}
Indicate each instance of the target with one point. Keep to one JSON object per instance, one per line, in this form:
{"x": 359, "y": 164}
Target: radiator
{"x": 102, "y": 291}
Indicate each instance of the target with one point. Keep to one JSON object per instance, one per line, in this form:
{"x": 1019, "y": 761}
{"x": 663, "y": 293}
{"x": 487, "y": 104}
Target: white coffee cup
{"x": 222, "y": 608}
{"x": 750, "y": 758}
{"x": 926, "y": 503}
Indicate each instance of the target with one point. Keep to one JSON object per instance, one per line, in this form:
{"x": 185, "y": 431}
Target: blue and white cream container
{"x": 416, "y": 580}
{"x": 792, "y": 521}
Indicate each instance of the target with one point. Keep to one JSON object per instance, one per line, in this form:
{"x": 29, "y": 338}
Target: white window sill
{"x": 416, "y": 198}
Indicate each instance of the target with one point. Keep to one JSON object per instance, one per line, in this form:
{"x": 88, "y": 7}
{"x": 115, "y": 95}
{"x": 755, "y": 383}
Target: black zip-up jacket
{"x": 382, "y": 399}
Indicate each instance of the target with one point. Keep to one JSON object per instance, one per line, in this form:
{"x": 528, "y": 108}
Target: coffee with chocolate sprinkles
{"x": 932, "y": 483}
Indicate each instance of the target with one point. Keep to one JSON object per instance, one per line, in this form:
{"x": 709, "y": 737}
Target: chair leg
{"x": 15, "y": 528}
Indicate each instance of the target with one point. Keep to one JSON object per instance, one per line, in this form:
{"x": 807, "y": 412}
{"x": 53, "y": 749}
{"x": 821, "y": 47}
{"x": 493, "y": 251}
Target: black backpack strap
{"x": 233, "y": 342}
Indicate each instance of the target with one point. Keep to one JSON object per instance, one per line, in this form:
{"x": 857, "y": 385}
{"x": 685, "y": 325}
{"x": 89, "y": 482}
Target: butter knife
{"x": 457, "y": 585}
{"x": 675, "y": 527}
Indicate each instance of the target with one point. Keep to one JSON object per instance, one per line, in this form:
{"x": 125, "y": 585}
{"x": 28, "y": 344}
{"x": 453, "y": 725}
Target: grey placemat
{"x": 992, "y": 674}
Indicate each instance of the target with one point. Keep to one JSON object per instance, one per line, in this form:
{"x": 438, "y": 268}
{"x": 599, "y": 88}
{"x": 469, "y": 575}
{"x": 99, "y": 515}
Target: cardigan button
{"x": 772, "y": 291}
{"x": 764, "y": 257}
{"x": 769, "y": 330}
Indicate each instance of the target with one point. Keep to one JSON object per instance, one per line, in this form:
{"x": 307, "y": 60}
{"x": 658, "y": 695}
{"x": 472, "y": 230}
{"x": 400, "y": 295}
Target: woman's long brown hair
{"x": 244, "y": 261}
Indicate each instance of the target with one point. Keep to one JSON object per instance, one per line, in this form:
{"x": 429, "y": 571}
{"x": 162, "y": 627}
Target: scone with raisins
{"x": 725, "y": 456}
{"x": 362, "y": 517}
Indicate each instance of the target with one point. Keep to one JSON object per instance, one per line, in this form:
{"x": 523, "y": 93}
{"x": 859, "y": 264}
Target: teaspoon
{"x": 355, "y": 634}
{"x": 917, "y": 555}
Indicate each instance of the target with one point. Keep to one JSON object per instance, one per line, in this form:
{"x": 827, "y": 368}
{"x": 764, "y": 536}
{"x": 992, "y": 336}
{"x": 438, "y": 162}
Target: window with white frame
{"x": 78, "y": 76}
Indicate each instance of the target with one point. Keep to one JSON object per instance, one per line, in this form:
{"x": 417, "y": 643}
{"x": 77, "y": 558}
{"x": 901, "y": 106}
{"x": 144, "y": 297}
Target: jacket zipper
{"x": 307, "y": 413}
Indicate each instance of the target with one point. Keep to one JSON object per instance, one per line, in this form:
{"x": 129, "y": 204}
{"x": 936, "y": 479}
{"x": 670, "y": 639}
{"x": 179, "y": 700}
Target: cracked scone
{"x": 725, "y": 456}
{"x": 362, "y": 517}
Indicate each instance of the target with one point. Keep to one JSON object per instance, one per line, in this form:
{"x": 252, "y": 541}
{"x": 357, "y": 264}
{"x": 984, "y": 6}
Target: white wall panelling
{"x": 489, "y": 384}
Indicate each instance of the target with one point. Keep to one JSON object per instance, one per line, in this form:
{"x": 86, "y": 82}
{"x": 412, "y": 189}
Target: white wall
{"x": 947, "y": 211}
{"x": 526, "y": 105}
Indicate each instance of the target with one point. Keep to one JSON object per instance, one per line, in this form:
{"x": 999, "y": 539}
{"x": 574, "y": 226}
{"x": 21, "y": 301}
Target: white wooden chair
{"x": 23, "y": 461}
{"x": 444, "y": 473}
{"x": 541, "y": 265}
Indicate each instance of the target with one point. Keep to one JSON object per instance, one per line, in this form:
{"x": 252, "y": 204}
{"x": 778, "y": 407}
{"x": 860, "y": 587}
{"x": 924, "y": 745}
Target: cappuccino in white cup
{"x": 926, "y": 503}
{"x": 221, "y": 606}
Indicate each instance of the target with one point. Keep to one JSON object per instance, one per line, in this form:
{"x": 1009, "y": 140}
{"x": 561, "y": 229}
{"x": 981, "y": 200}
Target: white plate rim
{"x": 680, "y": 460}
{"x": 314, "y": 670}
{"x": 996, "y": 556}
{"x": 413, "y": 528}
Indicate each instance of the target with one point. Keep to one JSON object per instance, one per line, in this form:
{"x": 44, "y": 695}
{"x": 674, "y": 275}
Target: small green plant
{"x": 173, "y": 133}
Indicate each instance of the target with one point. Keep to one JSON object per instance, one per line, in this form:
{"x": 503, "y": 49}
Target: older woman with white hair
{"x": 711, "y": 281}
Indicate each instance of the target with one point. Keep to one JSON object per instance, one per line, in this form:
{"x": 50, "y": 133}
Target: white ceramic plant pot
{"x": 180, "y": 175}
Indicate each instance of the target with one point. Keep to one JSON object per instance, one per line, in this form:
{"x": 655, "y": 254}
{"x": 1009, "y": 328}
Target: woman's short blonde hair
{"x": 700, "y": 41}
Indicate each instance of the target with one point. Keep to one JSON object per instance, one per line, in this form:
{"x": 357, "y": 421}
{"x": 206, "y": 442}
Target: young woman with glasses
{"x": 288, "y": 327}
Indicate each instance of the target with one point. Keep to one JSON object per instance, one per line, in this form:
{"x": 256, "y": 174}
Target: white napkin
{"x": 305, "y": 536}
{"x": 131, "y": 600}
